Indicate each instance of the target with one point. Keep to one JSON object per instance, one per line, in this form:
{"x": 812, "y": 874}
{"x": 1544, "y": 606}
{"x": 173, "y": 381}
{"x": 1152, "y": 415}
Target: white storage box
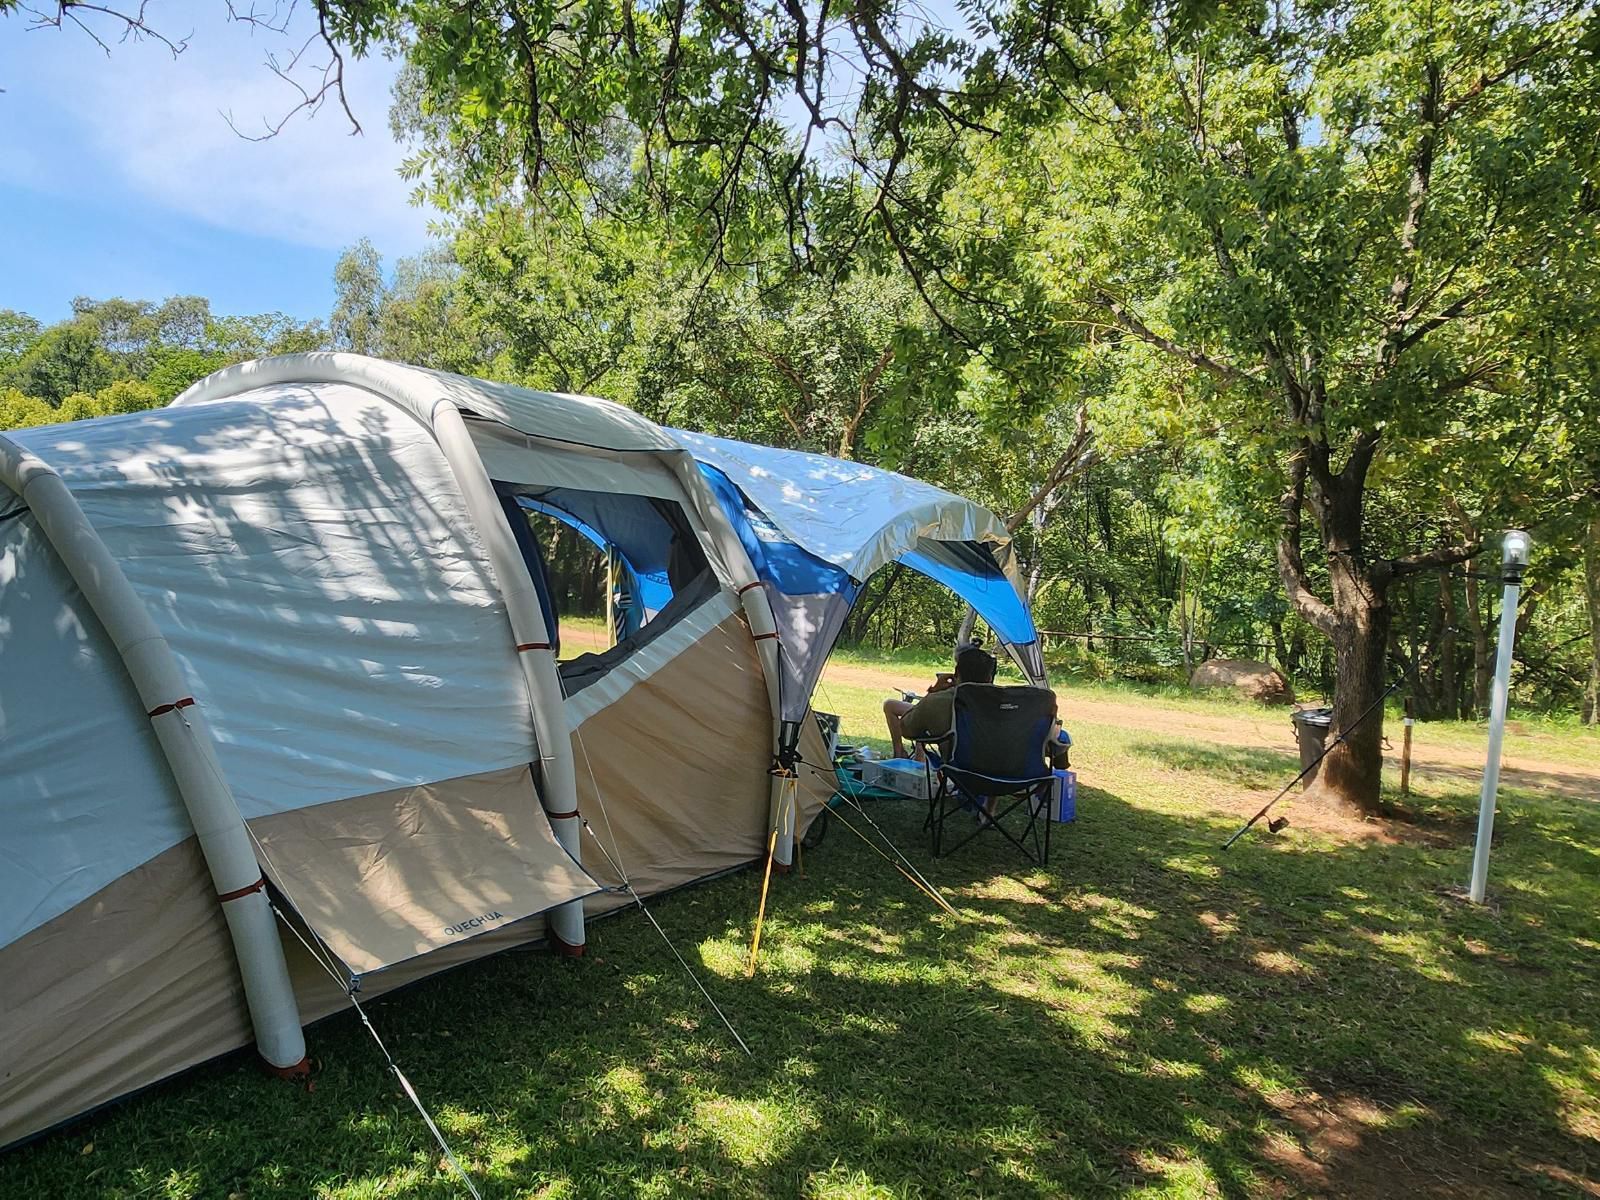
{"x": 905, "y": 776}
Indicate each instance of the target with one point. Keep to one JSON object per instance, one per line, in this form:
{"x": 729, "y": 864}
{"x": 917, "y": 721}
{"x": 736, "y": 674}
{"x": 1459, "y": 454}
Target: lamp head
{"x": 1513, "y": 556}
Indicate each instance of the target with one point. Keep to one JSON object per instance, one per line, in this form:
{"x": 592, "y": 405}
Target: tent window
{"x": 594, "y": 554}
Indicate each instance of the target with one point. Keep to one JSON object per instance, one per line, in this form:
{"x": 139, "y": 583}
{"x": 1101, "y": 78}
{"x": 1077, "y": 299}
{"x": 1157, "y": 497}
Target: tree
{"x": 1347, "y": 246}
{"x": 428, "y": 318}
{"x": 19, "y": 412}
{"x": 62, "y": 360}
{"x": 359, "y": 292}
{"x": 1345, "y": 237}
{"x": 18, "y": 332}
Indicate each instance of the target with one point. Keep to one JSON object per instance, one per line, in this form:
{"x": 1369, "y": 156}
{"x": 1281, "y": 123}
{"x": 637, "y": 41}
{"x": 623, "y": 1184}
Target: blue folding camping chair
{"x": 994, "y": 754}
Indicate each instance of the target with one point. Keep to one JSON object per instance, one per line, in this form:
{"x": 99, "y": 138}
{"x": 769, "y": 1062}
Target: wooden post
{"x": 1405, "y": 751}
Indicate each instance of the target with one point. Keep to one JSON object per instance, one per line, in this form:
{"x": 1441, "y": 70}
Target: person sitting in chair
{"x": 932, "y": 717}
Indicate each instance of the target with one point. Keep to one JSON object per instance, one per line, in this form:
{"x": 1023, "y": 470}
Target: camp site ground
{"x": 1310, "y": 1014}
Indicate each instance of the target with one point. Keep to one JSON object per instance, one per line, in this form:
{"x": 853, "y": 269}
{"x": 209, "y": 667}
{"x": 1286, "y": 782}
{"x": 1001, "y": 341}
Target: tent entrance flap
{"x": 386, "y": 877}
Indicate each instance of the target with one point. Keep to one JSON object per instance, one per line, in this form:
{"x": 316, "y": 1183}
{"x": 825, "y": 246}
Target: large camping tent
{"x": 290, "y": 639}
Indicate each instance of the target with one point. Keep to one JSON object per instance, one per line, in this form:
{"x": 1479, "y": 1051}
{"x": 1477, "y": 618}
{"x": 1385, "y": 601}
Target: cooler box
{"x": 903, "y": 776}
{"x": 1064, "y": 796}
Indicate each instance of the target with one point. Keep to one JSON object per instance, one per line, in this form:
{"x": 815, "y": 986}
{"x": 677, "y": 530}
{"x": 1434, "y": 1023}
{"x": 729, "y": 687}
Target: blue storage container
{"x": 1064, "y": 796}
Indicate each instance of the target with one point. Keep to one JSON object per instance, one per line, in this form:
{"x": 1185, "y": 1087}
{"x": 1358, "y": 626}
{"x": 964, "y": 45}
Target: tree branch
{"x": 1291, "y": 565}
{"x": 1489, "y": 79}
{"x": 1434, "y": 560}
{"x": 1443, "y": 317}
{"x": 134, "y": 26}
{"x": 1416, "y": 203}
{"x": 869, "y": 381}
{"x": 1360, "y": 460}
{"x": 1079, "y": 456}
{"x": 328, "y": 81}
{"x": 1130, "y": 323}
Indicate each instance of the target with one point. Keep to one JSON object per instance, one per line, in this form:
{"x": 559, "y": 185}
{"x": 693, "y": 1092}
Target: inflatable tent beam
{"x": 420, "y": 395}
{"x": 558, "y": 779}
{"x": 186, "y": 743}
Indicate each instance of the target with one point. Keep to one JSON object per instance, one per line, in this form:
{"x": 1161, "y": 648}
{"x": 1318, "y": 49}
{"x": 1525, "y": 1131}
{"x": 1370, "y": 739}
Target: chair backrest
{"x": 1001, "y": 731}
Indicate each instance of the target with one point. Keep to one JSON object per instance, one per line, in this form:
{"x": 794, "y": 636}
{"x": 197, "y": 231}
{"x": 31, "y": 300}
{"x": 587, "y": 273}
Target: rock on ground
{"x": 1255, "y": 680}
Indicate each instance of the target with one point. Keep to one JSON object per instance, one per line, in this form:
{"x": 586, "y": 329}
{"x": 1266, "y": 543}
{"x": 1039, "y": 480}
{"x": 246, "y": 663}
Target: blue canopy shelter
{"x": 817, "y": 528}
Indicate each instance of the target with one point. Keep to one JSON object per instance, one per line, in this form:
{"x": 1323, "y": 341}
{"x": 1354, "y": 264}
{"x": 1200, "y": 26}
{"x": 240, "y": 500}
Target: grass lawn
{"x": 1310, "y": 1013}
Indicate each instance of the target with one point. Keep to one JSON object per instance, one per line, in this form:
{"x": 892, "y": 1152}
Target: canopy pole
{"x": 558, "y": 776}
{"x": 186, "y": 743}
{"x": 786, "y": 780}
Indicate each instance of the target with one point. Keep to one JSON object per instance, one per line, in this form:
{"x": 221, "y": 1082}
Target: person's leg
{"x": 894, "y": 713}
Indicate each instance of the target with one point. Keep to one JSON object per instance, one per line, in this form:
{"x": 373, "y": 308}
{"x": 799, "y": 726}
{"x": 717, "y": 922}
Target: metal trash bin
{"x": 1311, "y": 727}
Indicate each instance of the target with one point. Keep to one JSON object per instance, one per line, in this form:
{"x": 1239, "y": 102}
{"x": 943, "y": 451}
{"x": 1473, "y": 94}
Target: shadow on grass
{"x": 1245, "y": 765}
{"x": 1146, "y": 1015}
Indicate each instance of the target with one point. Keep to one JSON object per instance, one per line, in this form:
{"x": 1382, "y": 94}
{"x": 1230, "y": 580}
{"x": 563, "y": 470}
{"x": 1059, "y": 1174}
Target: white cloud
{"x": 154, "y": 125}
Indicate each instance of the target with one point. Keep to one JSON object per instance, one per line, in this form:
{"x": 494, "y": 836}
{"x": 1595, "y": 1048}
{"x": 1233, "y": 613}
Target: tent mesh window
{"x": 657, "y": 556}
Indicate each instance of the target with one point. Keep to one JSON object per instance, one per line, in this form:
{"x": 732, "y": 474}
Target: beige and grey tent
{"x": 286, "y": 648}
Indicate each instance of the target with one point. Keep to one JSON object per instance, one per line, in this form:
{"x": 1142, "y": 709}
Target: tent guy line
{"x": 400, "y": 1076}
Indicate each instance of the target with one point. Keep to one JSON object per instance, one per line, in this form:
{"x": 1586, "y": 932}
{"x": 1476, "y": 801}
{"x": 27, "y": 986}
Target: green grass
{"x": 1305, "y": 1014}
{"x": 1554, "y": 737}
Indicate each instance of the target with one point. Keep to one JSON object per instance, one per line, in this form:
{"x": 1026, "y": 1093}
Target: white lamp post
{"x": 1514, "y": 558}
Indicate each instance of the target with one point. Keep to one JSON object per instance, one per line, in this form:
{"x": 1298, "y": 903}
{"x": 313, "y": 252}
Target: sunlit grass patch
{"x": 753, "y": 1132}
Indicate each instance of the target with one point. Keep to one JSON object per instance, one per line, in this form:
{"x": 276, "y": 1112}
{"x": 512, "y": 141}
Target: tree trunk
{"x": 1482, "y": 658}
{"x": 1280, "y": 648}
{"x": 1449, "y": 693}
{"x": 1183, "y": 616}
{"x": 1356, "y": 621}
{"x": 867, "y": 607}
{"x": 1591, "y": 581}
{"x": 1353, "y": 771}
{"x": 968, "y": 623}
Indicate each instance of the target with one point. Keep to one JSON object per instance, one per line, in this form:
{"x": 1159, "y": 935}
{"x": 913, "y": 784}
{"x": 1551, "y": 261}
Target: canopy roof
{"x": 816, "y": 528}
{"x": 858, "y": 517}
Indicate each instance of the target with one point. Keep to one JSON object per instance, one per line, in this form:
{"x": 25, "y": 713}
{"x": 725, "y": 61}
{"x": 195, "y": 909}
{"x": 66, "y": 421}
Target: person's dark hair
{"x": 974, "y": 664}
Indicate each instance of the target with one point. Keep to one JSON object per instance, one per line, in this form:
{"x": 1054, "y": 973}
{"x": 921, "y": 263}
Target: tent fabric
{"x": 969, "y": 570}
{"x": 696, "y": 722}
{"x": 533, "y": 560}
{"x": 516, "y": 458}
{"x": 583, "y": 421}
{"x": 789, "y": 568}
{"x": 126, "y": 987}
{"x": 816, "y": 528}
{"x": 65, "y": 833}
{"x": 855, "y": 516}
{"x": 665, "y": 647}
{"x": 631, "y": 525}
{"x": 810, "y": 597}
{"x": 309, "y": 562}
{"x": 387, "y": 877}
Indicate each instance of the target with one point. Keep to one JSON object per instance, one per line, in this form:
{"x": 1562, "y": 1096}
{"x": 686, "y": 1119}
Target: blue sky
{"x": 120, "y": 176}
